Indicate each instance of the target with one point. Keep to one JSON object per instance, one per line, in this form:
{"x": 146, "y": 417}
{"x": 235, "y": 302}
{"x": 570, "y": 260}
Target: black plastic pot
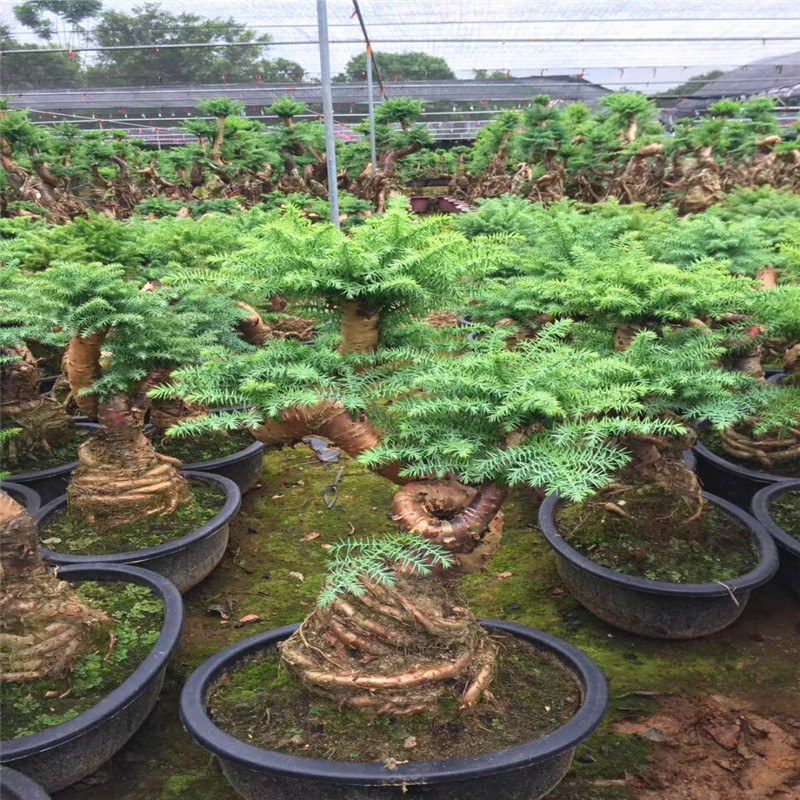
{"x": 51, "y": 483}
{"x": 66, "y": 753}
{"x": 729, "y": 481}
{"x": 526, "y": 772}
{"x": 16, "y": 786}
{"x": 24, "y": 495}
{"x": 185, "y": 561}
{"x": 657, "y": 608}
{"x": 788, "y": 546}
{"x": 242, "y": 467}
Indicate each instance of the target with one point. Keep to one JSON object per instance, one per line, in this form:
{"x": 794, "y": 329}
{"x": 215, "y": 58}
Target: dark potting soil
{"x": 713, "y": 441}
{"x": 260, "y": 702}
{"x": 655, "y": 543}
{"x": 204, "y": 447}
{"x": 785, "y": 510}
{"x": 66, "y": 533}
{"x": 58, "y": 456}
{"x": 136, "y": 615}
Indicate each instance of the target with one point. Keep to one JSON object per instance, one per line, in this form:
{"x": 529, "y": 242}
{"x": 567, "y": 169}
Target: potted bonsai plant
{"x": 126, "y": 502}
{"x": 391, "y": 636}
{"x": 95, "y": 641}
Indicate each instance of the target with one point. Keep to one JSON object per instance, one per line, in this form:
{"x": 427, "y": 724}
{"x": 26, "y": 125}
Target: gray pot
{"x": 185, "y": 561}
{"x": 16, "y": 786}
{"x": 64, "y": 754}
{"x": 657, "y": 608}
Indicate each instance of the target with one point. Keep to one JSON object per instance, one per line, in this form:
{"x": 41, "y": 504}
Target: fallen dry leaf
{"x": 410, "y": 743}
{"x": 277, "y": 496}
{"x": 326, "y": 546}
{"x": 309, "y": 537}
{"x": 247, "y": 619}
{"x": 501, "y": 576}
{"x": 298, "y": 575}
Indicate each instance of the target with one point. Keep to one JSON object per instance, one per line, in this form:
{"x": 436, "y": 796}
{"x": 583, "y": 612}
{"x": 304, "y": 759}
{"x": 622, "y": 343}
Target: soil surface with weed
{"x": 274, "y": 568}
{"x": 785, "y": 510}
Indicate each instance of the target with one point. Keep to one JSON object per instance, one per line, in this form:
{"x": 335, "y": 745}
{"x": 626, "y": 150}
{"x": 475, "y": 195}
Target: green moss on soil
{"x": 654, "y": 543}
{"x": 757, "y": 658}
{"x": 58, "y": 456}
{"x": 533, "y": 695}
{"x": 64, "y": 532}
{"x": 137, "y": 615}
{"x": 713, "y": 441}
{"x": 204, "y": 447}
{"x": 785, "y": 510}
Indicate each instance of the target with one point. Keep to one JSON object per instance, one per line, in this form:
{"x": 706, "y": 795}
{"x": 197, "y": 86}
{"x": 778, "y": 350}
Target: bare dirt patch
{"x": 717, "y": 748}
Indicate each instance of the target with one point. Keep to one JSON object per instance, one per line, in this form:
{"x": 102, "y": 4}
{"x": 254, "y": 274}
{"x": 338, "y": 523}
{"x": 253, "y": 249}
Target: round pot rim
{"x": 761, "y": 503}
{"x": 32, "y": 499}
{"x": 51, "y": 472}
{"x": 134, "y": 684}
{"x": 744, "y": 472}
{"x": 766, "y": 567}
{"x": 21, "y": 784}
{"x": 224, "y": 461}
{"x": 197, "y": 722}
{"x": 233, "y": 501}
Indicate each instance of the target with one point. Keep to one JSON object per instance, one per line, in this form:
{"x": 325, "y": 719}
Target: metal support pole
{"x": 373, "y": 153}
{"x": 327, "y": 108}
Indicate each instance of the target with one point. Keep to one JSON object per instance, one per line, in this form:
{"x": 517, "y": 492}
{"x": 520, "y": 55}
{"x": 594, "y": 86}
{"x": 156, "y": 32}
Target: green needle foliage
{"x": 396, "y": 264}
{"x": 378, "y": 559}
{"x": 548, "y": 414}
{"x": 147, "y": 330}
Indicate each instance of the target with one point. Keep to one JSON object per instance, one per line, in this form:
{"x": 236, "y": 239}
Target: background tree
{"x": 39, "y": 70}
{"x": 57, "y": 20}
{"x": 414, "y": 66}
{"x": 150, "y": 24}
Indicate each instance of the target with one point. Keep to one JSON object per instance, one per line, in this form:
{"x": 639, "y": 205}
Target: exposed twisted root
{"x": 397, "y": 662}
{"x": 120, "y": 478}
{"x": 466, "y": 521}
{"x": 43, "y": 621}
{"x": 767, "y": 453}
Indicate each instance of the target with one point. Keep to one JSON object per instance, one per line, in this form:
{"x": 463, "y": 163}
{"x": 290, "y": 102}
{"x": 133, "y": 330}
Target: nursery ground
{"x": 666, "y": 696}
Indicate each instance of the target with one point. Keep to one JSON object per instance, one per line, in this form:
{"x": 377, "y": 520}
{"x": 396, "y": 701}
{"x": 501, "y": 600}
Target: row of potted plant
{"x": 578, "y": 405}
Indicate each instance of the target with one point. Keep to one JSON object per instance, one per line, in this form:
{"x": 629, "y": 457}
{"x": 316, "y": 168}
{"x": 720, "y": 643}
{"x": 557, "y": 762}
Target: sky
{"x": 649, "y": 66}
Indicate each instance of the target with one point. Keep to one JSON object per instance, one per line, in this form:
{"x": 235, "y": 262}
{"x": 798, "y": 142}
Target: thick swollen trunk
{"x": 120, "y": 478}
{"x": 43, "y": 422}
{"x": 216, "y": 147}
{"x": 631, "y": 132}
{"x": 466, "y": 521}
{"x": 767, "y": 277}
{"x": 658, "y": 461}
{"x": 360, "y": 327}
{"x": 82, "y": 367}
{"x": 393, "y": 649}
{"x": 43, "y": 622}
{"x": 331, "y": 420}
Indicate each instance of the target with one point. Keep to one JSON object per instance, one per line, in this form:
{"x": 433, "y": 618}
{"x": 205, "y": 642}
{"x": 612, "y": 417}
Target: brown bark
{"x": 43, "y": 622}
{"x": 360, "y": 327}
{"x": 393, "y": 649}
{"x": 767, "y": 277}
{"x": 82, "y": 367}
{"x": 658, "y": 461}
{"x": 464, "y": 520}
{"x": 791, "y": 365}
{"x": 120, "y": 478}
{"x": 767, "y": 451}
{"x": 43, "y": 422}
{"x": 219, "y": 136}
{"x": 331, "y": 420}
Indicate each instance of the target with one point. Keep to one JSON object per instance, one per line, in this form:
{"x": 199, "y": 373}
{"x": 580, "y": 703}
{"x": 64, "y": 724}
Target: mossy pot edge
{"x": 64, "y": 754}
{"x": 525, "y": 772}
